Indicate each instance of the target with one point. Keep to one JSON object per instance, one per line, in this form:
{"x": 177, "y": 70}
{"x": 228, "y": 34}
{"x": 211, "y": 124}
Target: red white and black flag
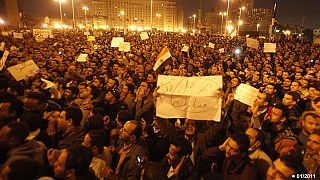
{"x": 164, "y": 58}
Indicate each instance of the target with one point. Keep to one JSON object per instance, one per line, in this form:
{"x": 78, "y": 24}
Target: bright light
{"x": 258, "y": 25}
{"x": 139, "y": 29}
{"x": 220, "y": 13}
{"x": 81, "y": 26}
{"x": 85, "y": 8}
{"x": 230, "y": 28}
{"x": 183, "y": 30}
{"x": 132, "y": 27}
{"x": 194, "y": 16}
{"x": 176, "y": 29}
{"x": 57, "y": 26}
{"x": 240, "y": 22}
{"x": 158, "y": 15}
{"x": 237, "y": 51}
{"x": 135, "y": 19}
{"x": 1, "y": 21}
{"x": 224, "y": 13}
{"x": 287, "y": 32}
{"x": 44, "y": 25}
{"x": 63, "y": 1}
{"x": 193, "y": 31}
{"x": 121, "y": 12}
{"x": 243, "y": 8}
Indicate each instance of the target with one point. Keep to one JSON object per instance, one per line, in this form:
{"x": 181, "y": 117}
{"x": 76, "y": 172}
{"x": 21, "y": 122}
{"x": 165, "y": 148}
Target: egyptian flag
{"x": 163, "y": 59}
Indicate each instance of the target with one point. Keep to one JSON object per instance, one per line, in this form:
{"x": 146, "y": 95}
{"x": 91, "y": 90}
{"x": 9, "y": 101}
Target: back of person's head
{"x": 99, "y": 110}
{"x": 75, "y": 114}
{"x": 242, "y": 141}
{"x": 153, "y": 171}
{"x": 79, "y": 159}
{"x": 22, "y": 168}
{"x": 16, "y": 106}
{"x": 283, "y": 108}
{"x": 15, "y": 87}
{"x": 294, "y": 162}
{"x": 124, "y": 116}
{"x": 98, "y": 139}
{"x": 95, "y": 122}
{"x": 33, "y": 119}
{"x": 19, "y": 131}
{"x": 295, "y": 95}
{"x": 138, "y": 128}
{"x": 130, "y": 88}
{"x": 40, "y": 96}
{"x": 184, "y": 144}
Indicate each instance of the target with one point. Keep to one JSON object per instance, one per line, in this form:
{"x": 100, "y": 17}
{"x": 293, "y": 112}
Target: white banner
{"x": 82, "y": 58}
{"x": 211, "y": 45}
{"x": 124, "y": 46}
{"x": 45, "y": 33}
{"x": 23, "y": 70}
{"x": 5, "y": 33}
{"x": 18, "y": 35}
{"x": 253, "y": 43}
{"x": 144, "y": 35}
{"x": 189, "y": 97}
{"x": 116, "y": 41}
{"x": 270, "y": 47}
{"x": 246, "y": 94}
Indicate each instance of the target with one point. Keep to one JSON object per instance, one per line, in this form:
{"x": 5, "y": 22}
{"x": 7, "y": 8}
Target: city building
{"x": 259, "y": 19}
{"x": 165, "y": 15}
{"x": 9, "y": 13}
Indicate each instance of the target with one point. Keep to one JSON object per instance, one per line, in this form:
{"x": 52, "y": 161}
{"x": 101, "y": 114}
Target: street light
{"x": 60, "y": 5}
{"x": 194, "y": 22}
{"x": 158, "y": 16}
{"x": 85, "y": 8}
{"x": 1, "y": 21}
{"x": 240, "y": 22}
{"x": 258, "y": 25}
{"x": 227, "y": 16}
{"x": 74, "y": 20}
{"x": 222, "y": 14}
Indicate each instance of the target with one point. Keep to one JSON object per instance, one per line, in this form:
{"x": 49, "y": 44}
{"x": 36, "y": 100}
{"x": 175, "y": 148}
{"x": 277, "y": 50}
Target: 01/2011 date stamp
{"x": 304, "y": 176}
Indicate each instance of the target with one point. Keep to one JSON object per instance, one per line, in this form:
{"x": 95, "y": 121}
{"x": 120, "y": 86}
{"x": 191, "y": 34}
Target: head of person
{"x": 145, "y": 87}
{"x": 95, "y": 122}
{"x": 112, "y": 96}
{"x": 70, "y": 92}
{"x": 284, "y": 167}
{"x": 112, "y": 84}
{"x": 35, "y": 101}
{"x": 95, "y": 140}
{"x": 69, "y": 119}
{"x": 178, "y": 148}
{"x": 128, "y": 89}
{"x": 235, "y": 82}
{"x": 290, "y": 99}
{"x": 21, "y": 168}
{"x": 313, "y": 143}
{"x": 243, "y": 121}
{"x": 295, "y": 86}
{"x": 10, "y": 108}
{"x": 316, "y": 106}
{"x": 271, "y": 89}
{"x": 151, "y": 78}
{"x": 131, "y": 132}
{"x": 256, "y": 138}
{"x": 153, "y": 171}
{"x": 279, "y": 114}
{"x": 263, "y": 99}
{"x": 190, "y": 127}
{"x": 73, "y": 162}
{"x": 238, "y": 145}
{"x": 13, "y": 134}
{"x": 310, "y": 123}
{"x": 122, "y": 117}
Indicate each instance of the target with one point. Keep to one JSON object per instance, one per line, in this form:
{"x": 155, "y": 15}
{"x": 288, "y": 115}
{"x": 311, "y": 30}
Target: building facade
{"x": 259, "y": 19}
{"x": 133, "y": 14}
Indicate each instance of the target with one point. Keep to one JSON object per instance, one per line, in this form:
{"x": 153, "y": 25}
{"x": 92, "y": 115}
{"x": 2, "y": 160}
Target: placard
{"x": 23, "y": 70}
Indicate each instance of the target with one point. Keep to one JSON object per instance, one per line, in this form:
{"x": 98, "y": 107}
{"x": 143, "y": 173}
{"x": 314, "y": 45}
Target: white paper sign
{"x": 246, "y": 94}
{"x": 49, "y": 83}
{"x": 211, "y": 45}
{"x": 3, "y": 59}
{"x": 18, "y": 35}
{"x": 2, "y": 46}
{"x": 185, "y": 49}
{"x": 82, "y": 58}
{"x": 5, "y": 33}
{"x": 144, "y": 35}
{"x": 221, "y": 50}
{"x": 23, "y": 70}
{"x": 270, "y": 47}
{"x": 116, "y": 41}
{"x": 45, "y": 33}
{"x": 87, "y": 33}
{"x": 189, "y": 97}
{"x": 253, "y": 43}
{"x": 124, "y": 46}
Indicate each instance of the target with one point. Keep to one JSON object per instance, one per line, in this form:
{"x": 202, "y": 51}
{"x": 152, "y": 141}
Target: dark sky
{"x": 289, "y": 11}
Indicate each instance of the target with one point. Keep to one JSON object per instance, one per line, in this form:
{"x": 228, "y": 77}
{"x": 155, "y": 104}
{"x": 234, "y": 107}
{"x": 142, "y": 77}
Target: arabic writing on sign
{"x": 22, "y": 70}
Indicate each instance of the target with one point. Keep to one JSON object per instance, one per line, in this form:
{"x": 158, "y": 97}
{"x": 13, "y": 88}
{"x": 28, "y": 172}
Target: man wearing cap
{"x": 112, "y": 105}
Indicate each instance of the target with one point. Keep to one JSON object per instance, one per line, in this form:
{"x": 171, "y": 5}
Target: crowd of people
{"x": 99, "y": 120}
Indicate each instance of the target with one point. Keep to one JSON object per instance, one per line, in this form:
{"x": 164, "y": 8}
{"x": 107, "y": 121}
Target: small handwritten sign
{"x": 124, "y": 46}
{"x": 246, "y": 94}
{"x": 189, "y": 97}
{"x": 23, "y": 70}
{"x": 116, "y": 41}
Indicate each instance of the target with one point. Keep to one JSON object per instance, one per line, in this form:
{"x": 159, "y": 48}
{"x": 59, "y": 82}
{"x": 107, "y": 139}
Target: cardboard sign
{"x": 23, "y": 70}
{"x": 144, "y": 35}
{"x": 124, "y": 46}
{"x": 116, "y": 41}
{"x": 82, "y": 58}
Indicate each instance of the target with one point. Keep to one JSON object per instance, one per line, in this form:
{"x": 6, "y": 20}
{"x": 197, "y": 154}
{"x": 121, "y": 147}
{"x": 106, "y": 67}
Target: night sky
{"x": 289, "y": 11}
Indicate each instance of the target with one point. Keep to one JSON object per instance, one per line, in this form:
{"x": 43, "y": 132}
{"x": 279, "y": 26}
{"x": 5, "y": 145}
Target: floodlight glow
{"x": 237, "y": 51}
{"x": 44, "y": 25}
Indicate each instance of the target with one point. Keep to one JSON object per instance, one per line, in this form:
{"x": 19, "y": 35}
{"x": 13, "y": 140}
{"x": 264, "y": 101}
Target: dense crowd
{"x": 99, "y": 120}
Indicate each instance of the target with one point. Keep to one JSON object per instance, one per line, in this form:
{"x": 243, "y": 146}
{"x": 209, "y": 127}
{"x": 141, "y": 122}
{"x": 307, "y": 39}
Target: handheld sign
{"x": 23, "y": 70}
{"x": 116, "y": 41}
